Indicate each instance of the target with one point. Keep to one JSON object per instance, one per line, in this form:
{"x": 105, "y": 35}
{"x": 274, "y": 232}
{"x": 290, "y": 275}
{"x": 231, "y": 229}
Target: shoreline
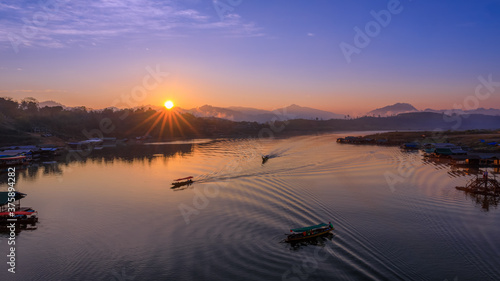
{"x": 477, "y": 140}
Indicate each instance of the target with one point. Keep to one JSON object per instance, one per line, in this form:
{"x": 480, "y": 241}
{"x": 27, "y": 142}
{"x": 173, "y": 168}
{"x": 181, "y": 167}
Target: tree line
{"x": 78, "y": 123}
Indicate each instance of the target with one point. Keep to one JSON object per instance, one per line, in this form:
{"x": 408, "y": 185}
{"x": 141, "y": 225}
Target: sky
{"x": 346, "y": 57}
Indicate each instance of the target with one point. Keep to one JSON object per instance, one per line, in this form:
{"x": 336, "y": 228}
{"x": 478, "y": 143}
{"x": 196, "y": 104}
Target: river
{"x": 114, "y": 216}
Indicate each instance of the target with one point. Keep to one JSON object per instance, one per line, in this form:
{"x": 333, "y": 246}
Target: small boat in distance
{"x": 182, "y": 181}
{"x": 308, "y": 232}
{"x": 265, "y": 158}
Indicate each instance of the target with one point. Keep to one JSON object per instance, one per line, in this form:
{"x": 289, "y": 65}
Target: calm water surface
{"x": 114, "y": 216}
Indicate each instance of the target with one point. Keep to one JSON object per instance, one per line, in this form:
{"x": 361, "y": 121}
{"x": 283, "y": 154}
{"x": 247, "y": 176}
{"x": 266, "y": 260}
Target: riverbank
{"x": 479, "y": 140}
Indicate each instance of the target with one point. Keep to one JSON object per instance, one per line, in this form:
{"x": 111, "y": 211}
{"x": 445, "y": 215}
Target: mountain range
{"x": 235, "y": 113}
{"x": 239, "y": 113}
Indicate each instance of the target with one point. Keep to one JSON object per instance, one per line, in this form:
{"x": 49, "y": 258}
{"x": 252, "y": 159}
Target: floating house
{"x": 355, "y": 140}
{"x": 47, "y": 152}
{"x": 15, "y": 157}
{"x": 444, "y": 149}
{"x": 20, "y": 215}
{"x": 30, "y": 154}
{"x": 12, "y": 161}
{"x": 477, "y": 159}
{"x": 4, "y": 200}
{"x": 410, "y": 145}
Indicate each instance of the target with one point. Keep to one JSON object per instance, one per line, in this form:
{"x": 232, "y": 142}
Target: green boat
{"x": 308, "y": 232}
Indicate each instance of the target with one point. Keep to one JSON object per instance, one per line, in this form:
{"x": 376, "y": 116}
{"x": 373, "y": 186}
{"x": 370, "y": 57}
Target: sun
{"x": 169, "y": 104}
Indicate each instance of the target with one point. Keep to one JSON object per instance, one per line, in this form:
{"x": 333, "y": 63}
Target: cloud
{"x": 75, "y": 23}
{"x": 32, "y": 91}
{"x": 192, "y": 14}
{"x": 310, "y": 34}
{"x": 7, "y": 7}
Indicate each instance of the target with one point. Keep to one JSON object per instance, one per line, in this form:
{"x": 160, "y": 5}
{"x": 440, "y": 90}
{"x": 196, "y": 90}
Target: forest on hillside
{"x": 20, "y": 121}
{"x": 25, "y": 122}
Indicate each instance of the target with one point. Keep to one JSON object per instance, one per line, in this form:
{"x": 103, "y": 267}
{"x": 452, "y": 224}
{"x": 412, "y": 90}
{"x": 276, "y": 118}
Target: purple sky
{"x": 263, "y": 54}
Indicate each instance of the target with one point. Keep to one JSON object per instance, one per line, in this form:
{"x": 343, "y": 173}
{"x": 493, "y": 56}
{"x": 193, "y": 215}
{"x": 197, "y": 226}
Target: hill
{"x": 394, "y": 109}
{"x": 27, "y": 123}
{"x": 236, "y": 113}
{"x": 299, "y": 112}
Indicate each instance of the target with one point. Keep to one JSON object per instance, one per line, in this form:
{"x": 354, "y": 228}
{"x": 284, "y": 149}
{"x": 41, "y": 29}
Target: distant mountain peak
{"x": 394, "y": 109}
{"x": 294, "y": 111}
{"x": 50, "y": 103}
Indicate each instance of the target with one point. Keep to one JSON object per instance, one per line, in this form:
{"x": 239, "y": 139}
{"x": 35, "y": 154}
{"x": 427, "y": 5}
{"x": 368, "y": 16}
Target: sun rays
{"x": 167, "y": 122}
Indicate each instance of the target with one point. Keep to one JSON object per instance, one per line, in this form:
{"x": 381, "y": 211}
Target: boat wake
{"x": 278, "y": 152}
{"x": 316, "y": 180}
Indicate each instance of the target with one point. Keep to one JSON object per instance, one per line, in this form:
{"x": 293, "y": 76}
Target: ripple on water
{"x": 422, "y": 229}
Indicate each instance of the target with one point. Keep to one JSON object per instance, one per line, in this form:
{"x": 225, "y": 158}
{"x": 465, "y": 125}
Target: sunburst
{"x": 169, "y": 118}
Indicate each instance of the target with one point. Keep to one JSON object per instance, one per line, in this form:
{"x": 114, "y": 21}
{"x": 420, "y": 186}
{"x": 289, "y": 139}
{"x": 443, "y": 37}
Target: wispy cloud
{"x": 69, "y": 23}
{"x": 31, "y": 91}
{"x": 233, "y": 26}
{"x": 4, "y": 6}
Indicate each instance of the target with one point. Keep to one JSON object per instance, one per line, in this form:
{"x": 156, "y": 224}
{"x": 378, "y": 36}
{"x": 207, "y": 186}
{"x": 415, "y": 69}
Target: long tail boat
{"x": 265, "y": 158}
{"x": 309, "y": 232}
{"x": 182, "y": 181}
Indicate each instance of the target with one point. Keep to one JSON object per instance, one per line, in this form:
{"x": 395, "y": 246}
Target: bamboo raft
{"x": 485, "y": 186}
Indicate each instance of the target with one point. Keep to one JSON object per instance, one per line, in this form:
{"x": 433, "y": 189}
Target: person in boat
{"x": 330, "y": 224}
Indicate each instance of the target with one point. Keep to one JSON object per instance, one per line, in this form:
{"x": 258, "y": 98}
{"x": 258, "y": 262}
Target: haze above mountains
{"x": 239, "y": 113}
